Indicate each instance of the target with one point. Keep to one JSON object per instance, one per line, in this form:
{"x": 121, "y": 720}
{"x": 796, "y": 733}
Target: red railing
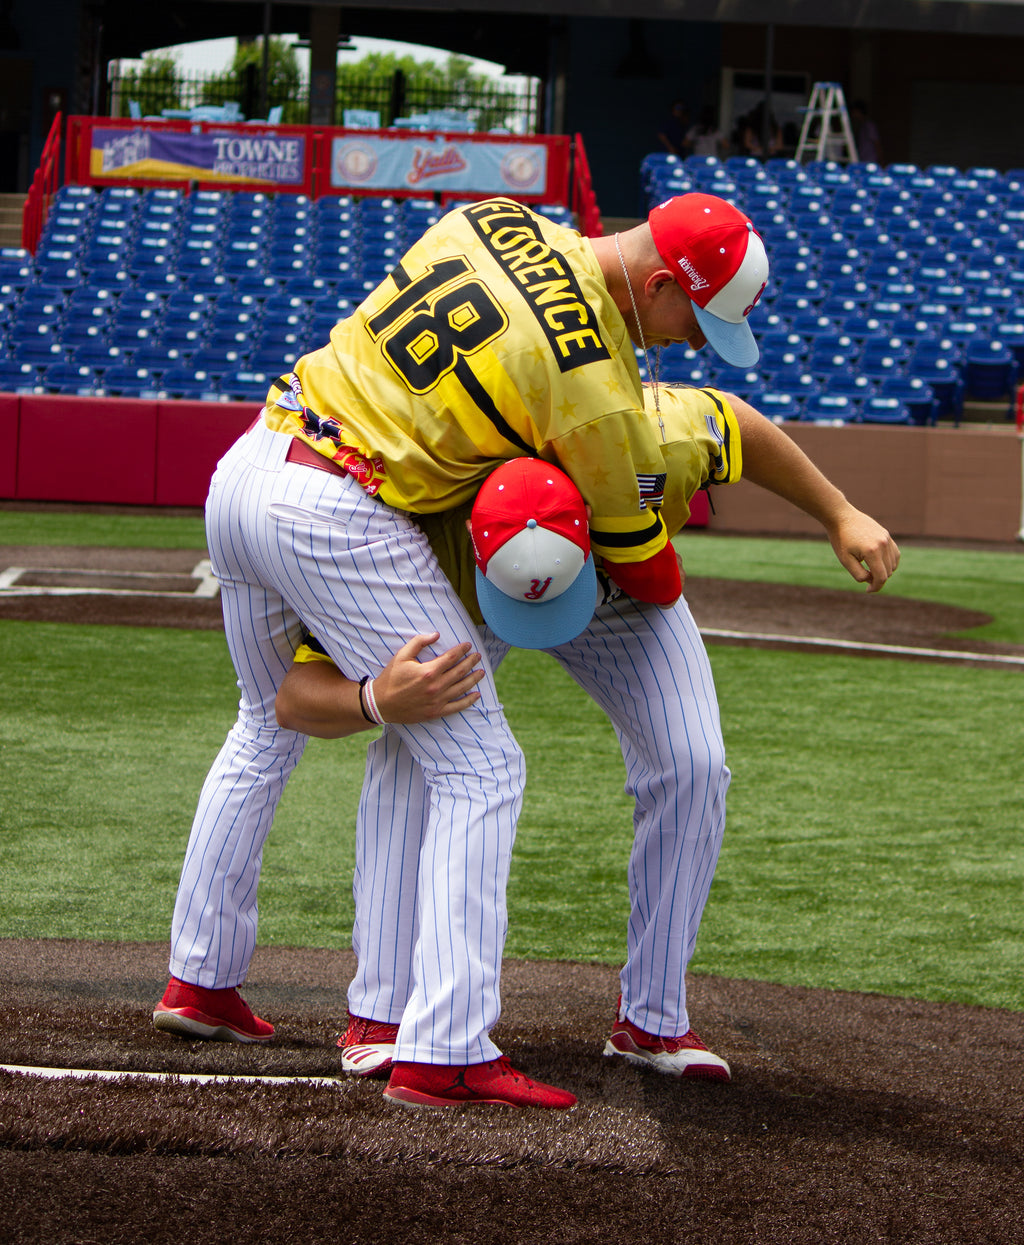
{"x": 43, "y": 188}
{"x": 583, "y": 202}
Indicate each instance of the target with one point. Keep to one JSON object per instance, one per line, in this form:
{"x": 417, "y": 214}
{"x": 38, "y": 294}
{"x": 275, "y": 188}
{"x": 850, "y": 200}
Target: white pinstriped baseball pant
{"x": 648, "y": 670}
{"x": 288, "y": 542}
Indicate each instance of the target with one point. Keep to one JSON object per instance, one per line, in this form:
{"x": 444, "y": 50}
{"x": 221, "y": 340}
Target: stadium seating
{"x": 133, "y": 287}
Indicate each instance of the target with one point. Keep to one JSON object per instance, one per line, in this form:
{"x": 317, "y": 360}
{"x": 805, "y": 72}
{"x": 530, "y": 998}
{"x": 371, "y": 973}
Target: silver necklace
{"x": 643, "y": 344}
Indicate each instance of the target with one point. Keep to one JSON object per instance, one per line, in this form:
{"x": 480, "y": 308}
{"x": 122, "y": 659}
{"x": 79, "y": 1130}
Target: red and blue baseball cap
{"x": 535, "y": 577}
{"x": 717, "y": 256}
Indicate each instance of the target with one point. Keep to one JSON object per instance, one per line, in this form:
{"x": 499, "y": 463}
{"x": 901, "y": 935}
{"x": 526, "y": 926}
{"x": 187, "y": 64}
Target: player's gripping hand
{"x": 864, "y": 547}
{"x": 409, "y": 690}
{"x": 315, "y": 698}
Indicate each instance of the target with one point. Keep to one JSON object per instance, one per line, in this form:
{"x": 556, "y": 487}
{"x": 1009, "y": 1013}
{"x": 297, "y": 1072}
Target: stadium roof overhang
{"x": 968, "y": 16}
{"x": 489, "y": 29}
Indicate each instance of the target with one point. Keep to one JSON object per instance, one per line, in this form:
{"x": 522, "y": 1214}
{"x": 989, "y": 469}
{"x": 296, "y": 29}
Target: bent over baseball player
{"x": 648, "y": 669}
{"x": 498, "y": 335}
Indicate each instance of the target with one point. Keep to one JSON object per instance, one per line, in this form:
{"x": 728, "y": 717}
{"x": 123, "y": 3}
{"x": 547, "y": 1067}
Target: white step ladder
{"x": 826, "y": 104}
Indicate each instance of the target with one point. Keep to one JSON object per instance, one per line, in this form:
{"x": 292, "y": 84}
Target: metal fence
{"x": 511, "y": 104}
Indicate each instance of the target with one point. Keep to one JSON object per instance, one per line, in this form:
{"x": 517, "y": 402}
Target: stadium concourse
{"x": 895, "y": 295}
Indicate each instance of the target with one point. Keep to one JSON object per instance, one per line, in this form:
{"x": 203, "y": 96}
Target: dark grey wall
{"x": 621, "y": 86}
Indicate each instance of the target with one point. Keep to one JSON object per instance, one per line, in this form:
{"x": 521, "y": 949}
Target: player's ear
{"x": 657, "y": 281}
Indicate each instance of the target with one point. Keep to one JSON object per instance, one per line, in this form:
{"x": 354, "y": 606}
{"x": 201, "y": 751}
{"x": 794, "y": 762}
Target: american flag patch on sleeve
{"x": 652, "y": 491}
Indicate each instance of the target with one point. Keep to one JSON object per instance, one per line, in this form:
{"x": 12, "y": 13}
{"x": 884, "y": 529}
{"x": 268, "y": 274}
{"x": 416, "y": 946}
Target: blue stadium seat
{"x": 916, "y": 396}
{"x": 778, "y": 404}
{"x": 990, "y": 372}
{"x": 124, "y": 380}
{"x": 246, "y": 386}
{"x": 829, "y": 407}
{"x": 208, "y": 283}
{"x": 885, "y": 410}
{"x": 943, "y": 377}
{"x": 214, "y": 361}
{"x": 18, "y": 377}
{"x": 183, "y": 382}
{"x": 72, "y": 378}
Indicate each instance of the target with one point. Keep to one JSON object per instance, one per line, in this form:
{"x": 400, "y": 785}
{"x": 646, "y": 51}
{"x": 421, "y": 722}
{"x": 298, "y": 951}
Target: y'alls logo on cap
{"x": 537, "y": 589}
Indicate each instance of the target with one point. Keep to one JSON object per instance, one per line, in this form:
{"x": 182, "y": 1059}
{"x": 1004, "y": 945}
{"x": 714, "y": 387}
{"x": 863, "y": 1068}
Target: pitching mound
{"x": 850, "y": 1118}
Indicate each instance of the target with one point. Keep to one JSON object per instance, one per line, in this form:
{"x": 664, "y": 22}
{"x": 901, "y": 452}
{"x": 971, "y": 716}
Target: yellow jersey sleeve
{"x": 494, "y": 337}
{"x": 702, "y": 446}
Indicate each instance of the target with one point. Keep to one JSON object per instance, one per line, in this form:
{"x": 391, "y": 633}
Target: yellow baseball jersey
{"x": 494, "y": 337}
{"x": 702, "y": 448}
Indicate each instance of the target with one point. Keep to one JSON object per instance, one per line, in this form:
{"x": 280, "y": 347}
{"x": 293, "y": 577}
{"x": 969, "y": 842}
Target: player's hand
{"x": 682, "y": 569}
{"x": 865, "y": 548}
{"x": 410, "y": 690}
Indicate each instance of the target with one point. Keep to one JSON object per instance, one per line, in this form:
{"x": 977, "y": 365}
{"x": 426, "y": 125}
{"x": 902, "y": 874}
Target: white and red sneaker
{"x": 685, "y": 1056}
{"x": 216, "y": 1015}
{"x": 367, "y": 1046}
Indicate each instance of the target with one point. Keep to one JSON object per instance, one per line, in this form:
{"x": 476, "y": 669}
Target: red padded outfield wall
{"x": 960, "y": 483}
{"x": 120, "y": 451}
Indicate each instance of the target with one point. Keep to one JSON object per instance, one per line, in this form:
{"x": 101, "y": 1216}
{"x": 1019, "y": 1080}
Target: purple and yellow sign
{"x": 264, "y": 159}
{"x": 429, "y": 164}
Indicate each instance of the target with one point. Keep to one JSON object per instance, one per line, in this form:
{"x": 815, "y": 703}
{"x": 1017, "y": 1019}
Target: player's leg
{"x": 392, "y": 815}
{"x": 364, "y": 579}
{"x": 649, "y": 671}
{"x": 392, "y": 821}
{"x": 214, "y": 926}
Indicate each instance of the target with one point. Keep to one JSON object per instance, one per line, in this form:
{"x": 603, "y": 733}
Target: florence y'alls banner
{"x": 447, "y": 164}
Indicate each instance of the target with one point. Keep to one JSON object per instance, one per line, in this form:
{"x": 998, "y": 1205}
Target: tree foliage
{"x": 242, "y": 80}
{"x": 394, "y": 85}
{"x": 156, "y": 84}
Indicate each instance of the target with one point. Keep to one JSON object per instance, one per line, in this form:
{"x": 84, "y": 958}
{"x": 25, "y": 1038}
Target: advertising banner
{"x": 264, "y": 159}
{"x": 427, "y": 164}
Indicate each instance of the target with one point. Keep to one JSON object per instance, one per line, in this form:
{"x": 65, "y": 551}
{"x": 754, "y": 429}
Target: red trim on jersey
{"x": 655, "y": 581}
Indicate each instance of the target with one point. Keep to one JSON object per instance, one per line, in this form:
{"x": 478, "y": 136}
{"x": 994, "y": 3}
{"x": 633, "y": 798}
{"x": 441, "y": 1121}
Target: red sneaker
{"x": 674, "y": 1056}
{"x": 495, "y": 1082}
{"x": 220, "y": 1015}
{"x": 367, "y": 1046}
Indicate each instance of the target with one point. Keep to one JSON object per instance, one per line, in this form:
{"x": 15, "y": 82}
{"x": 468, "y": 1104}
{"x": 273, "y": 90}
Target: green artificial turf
{"x": 990, "y": 581}
{"x": 874, "y": 819}
{"x": 141, "y": 528}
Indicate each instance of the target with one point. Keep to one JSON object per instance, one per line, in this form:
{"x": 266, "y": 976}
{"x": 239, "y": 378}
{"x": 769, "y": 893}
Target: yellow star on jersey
{"x": 567, "y": 410}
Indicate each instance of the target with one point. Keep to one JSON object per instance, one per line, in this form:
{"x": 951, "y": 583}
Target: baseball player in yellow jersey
{"x": 498, "y": 335}
{"x": 648, "y": 670}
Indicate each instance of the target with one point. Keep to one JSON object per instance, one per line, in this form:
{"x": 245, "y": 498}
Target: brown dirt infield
{"x": 850, "y": 1118}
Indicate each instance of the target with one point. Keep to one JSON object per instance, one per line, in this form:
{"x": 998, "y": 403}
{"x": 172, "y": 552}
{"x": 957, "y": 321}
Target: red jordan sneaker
{"x": 495, "y": 1082}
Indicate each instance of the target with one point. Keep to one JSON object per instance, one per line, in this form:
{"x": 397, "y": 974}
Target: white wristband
{"x": 371, "y": 703}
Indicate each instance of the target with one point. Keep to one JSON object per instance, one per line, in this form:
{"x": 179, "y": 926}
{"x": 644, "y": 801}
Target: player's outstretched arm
{"x": 775, "y": 462}
{"x": 317, "y": 699}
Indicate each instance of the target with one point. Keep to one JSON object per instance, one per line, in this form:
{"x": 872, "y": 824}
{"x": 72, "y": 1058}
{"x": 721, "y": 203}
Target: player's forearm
{"x": 775, "y": 462}
{"x": 317, "y": 699}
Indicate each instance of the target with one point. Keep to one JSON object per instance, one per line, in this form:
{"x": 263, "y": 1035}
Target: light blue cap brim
{"x": 540, "y": 624}
{"x": 733, "y": 342}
